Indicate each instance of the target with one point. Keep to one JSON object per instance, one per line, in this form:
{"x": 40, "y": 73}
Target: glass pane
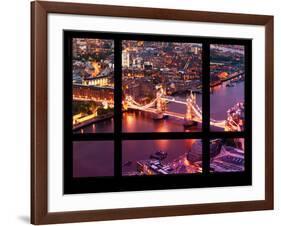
{"x": 227, "y": 71}
{"x": 93, "y": 158}
{"x": 227, "y": 155}
{"x": 162, "y": 85}
{"x": 92, "y": 85}
{"x": 152, "y": 157}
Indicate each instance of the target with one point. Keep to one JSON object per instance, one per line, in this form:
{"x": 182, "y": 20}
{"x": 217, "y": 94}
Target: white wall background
{"x": 15, "y": 113}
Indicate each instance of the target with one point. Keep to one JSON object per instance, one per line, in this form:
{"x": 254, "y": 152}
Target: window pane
{"x": 227, "y": 155}
{"x": 93, "y": 158}
{"x": 227, "y": 87}
{"x": 162, "y": 85}
{"x": 93, "y": 85}
{"x": 152, "y": 157}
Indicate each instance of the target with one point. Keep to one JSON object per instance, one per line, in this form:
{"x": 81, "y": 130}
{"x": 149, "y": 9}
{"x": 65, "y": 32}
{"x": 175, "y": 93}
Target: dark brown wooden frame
{"x": 39, "y": 106}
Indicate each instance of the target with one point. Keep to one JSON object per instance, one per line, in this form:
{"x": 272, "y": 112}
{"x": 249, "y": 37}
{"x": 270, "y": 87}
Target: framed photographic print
{"x": 139, "y": 114}
{"x": 144, "y": 112}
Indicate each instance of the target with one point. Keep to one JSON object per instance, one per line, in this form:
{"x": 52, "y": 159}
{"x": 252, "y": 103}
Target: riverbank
{"x": 221, "y": 81}
{"x": 91, "y": 121}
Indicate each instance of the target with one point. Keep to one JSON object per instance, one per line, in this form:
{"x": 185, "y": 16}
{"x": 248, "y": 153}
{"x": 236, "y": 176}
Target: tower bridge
{"x": 193, "y": 114}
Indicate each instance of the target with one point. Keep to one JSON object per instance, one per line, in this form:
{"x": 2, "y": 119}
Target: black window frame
{"x": 155, "y": 182}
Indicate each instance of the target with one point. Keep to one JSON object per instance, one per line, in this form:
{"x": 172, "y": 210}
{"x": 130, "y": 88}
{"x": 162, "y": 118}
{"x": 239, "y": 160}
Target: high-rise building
{"x": 125, "y": 59}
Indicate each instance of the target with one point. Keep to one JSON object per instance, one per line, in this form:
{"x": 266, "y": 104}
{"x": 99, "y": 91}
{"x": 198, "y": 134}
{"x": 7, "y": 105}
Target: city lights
{"x": 162, "y": 88}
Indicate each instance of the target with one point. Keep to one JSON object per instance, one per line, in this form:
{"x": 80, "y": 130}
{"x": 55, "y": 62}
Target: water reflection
{"x": 179, "y": 152}
{"x": 221, "y": 99}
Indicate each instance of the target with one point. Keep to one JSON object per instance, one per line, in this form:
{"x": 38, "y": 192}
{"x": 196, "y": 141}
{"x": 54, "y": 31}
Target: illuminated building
{"x": 97, "y": 81}
{"x": 125, "y": 59}
{"x": 93, "y": 92}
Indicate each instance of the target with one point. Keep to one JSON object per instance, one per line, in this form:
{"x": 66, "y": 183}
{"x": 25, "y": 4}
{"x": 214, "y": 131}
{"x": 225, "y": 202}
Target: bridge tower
{"x": 160, "y": 104}
{"x": 189, "y": 119}
{"x": 126, "y": 102}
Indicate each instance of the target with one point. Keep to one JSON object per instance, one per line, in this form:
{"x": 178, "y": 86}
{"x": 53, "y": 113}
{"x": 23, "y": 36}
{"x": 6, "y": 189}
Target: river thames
{"x": 222, "y": 98}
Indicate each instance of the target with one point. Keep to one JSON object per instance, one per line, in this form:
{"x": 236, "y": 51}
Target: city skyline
{"x": 157, "y": 79}
{"x": 161, "y": 92}
{"x": 93, "y": 84}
